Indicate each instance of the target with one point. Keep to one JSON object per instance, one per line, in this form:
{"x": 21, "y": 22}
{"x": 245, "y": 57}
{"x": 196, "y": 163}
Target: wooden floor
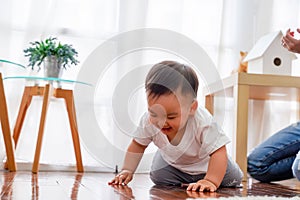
{"x": 89, "y": 186}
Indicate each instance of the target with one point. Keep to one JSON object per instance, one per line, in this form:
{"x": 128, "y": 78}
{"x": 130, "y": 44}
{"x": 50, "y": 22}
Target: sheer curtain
{"x": 221, "y": 27}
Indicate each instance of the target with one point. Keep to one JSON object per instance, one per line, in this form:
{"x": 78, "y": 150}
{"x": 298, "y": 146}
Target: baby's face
{"x": 170, "y": 112}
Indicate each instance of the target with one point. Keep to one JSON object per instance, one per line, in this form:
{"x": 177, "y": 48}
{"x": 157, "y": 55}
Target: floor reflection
{"x": 171, "y": 192}
{"x": 124, "y": 191}
{"x": 265, "y": 188}
{"x": 12, "y": 186}
{"x": 75, "y": 188}
{"x": 6, "y": 190}
{"x": 174, "y": 192}
{"x": 34, "y": 186}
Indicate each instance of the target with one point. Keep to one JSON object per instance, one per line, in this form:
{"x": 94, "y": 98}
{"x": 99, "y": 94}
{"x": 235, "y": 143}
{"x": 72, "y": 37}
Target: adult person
{"x": 278, "y": 157}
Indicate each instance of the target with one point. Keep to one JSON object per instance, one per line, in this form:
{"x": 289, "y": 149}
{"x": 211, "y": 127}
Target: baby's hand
{"x": 202, "y": 185}
{"x": 124, "y": 177}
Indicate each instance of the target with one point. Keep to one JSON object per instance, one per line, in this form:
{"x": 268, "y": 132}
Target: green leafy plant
{"x": 39, "y": 50}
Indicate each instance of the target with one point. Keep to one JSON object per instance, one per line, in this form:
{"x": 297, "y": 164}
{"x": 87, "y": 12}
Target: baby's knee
{"x": 164, "y": 177}
{"x": 233, "y": 179}
{"x": 157, "y": 177}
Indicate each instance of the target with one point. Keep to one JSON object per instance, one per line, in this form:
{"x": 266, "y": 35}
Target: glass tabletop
{"x": 52, "y": 79}
{"x": 13, "y": 63}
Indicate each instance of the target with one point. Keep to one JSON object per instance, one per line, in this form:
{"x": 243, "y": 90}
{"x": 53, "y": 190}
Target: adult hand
{"x": 202, "y": 185}
{"x": 290, "y": 43}
{"x": 124, "y": 177}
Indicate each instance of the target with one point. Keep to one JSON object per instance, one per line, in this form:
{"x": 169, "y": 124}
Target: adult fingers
{"x": 289, "y": 37}
{"x": 288, "y": 31}
{"x": 287, "y": 41}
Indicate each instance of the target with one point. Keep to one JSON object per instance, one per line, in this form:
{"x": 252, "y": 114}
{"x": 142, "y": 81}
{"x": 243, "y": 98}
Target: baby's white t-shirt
{"x": 202, "y": 137}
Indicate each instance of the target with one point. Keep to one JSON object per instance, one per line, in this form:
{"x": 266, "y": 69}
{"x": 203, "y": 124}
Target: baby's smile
{"x": 166, "y": 129}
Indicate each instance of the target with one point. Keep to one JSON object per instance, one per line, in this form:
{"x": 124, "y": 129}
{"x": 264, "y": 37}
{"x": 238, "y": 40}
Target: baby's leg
{"x": 233, "y": 176}
{"x": 164, "y": 174}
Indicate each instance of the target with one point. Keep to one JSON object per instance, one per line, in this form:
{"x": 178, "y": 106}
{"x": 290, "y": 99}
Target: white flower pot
{"x": 52, "y": 68}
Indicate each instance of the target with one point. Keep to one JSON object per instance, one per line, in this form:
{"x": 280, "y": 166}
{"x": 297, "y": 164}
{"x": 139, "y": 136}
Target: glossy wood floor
{"x": 88, "y": 186}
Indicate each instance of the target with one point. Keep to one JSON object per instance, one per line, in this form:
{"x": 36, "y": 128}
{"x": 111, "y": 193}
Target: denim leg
{"x": 272, "y": 160}
{"x": 164, "y": 174}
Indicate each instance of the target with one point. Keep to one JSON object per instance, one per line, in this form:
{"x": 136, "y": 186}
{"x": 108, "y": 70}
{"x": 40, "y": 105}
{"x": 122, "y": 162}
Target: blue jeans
{"x": 272, "y": 160}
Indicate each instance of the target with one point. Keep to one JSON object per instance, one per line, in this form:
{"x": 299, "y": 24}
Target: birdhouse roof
{"x": 263, "y": 44}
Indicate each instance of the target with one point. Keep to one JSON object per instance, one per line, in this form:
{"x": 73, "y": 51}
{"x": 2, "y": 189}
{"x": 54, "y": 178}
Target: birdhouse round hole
{"x": 277, "y": 61}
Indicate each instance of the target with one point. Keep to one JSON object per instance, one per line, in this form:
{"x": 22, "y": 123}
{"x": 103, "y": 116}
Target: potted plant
{"x": 54, "y": 55}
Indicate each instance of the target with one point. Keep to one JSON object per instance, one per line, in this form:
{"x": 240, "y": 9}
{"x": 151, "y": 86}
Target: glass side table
{"x": 47, "y": 91}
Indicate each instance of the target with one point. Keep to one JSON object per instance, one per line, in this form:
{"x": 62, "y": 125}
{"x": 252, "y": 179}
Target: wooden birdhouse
{"x": 268, "y": 56}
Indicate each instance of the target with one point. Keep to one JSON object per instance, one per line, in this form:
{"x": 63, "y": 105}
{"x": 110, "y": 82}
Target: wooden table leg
{"x": 241, "y": 96}
{"x": 25, "y": 103}
{"x": 46, "y": 99}
{"x": 8, "y": 142}
{"x": 69, "y": 99}
{"x": 209, "y": 103}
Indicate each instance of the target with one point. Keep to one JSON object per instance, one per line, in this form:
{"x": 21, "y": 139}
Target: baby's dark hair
{"x": 168, "y": 76}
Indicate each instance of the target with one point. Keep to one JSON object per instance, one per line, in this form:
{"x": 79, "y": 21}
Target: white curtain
{"x": 221, "y": 27}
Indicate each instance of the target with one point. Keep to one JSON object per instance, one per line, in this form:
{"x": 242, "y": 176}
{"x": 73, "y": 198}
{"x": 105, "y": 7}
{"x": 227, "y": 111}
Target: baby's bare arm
{"x": 132, "y": 159}
{"x": 215, "y": 173}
